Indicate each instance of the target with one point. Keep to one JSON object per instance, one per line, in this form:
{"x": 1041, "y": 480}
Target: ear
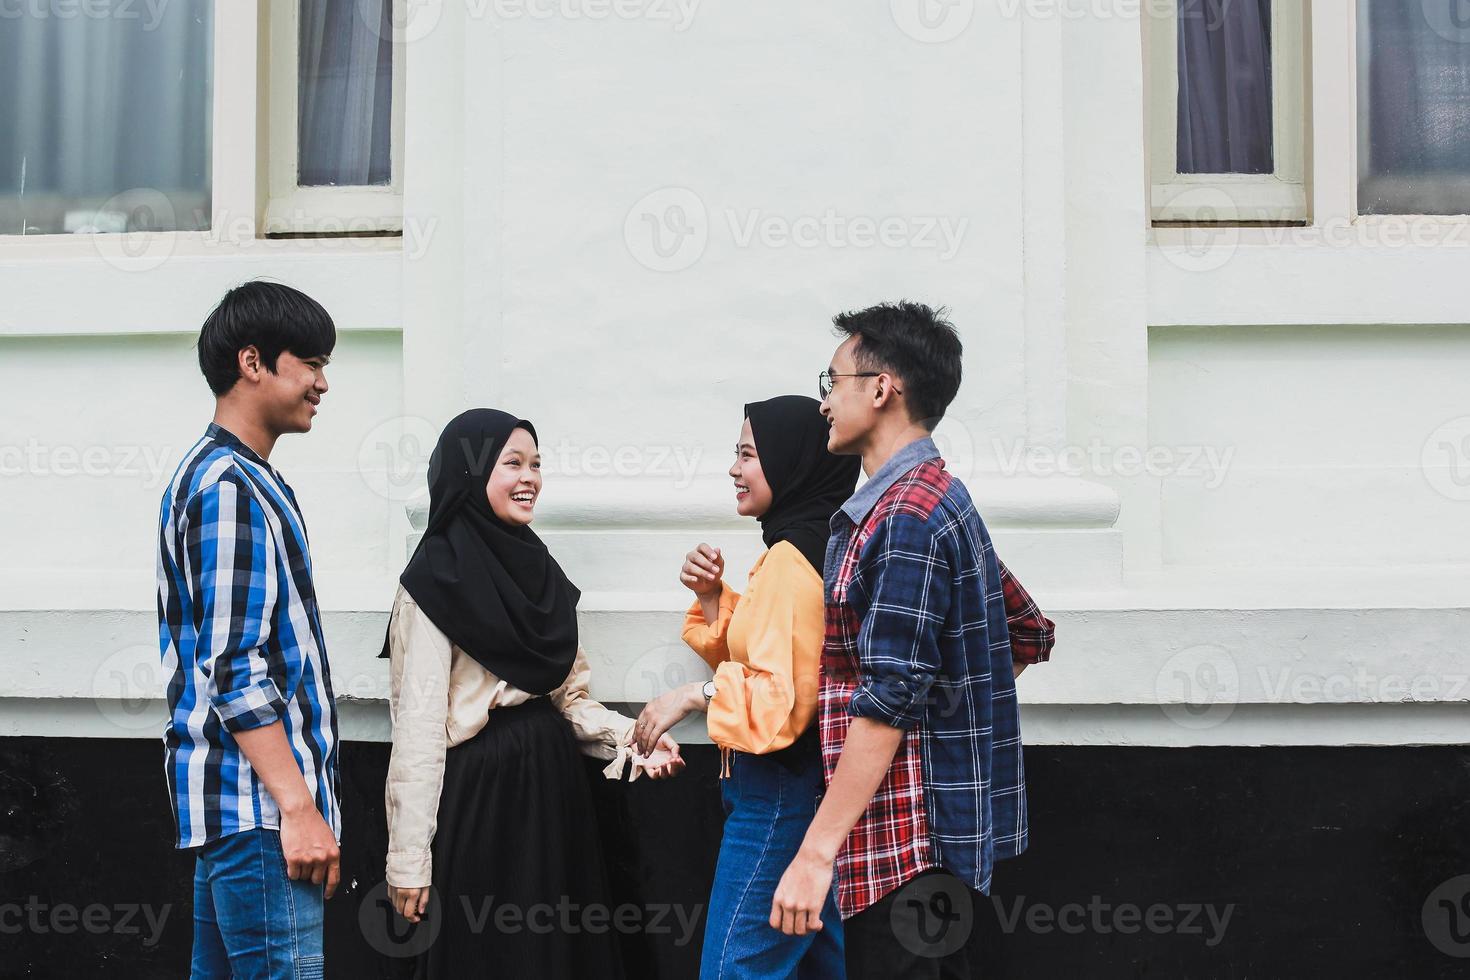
{"x": 883, "y": 390}
{"x": 248, "y": 361}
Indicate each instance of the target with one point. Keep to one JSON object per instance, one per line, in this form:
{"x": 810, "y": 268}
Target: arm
{"x": 759, "y": 706}
{"x": 418, "y": 705}
{"x": 603, "y": 733}
{"x": 906, "y": 578}
{"x": 1032, "y": 634}
{"x": 232, "y": 576}
{"x": 707, "y": 624}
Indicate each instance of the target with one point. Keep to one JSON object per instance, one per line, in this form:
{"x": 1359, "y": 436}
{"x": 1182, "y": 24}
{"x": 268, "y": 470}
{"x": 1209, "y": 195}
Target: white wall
{"x": 538, "y": 150}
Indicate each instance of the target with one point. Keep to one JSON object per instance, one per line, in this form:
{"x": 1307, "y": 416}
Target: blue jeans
{"x": 768, "y": 809}
{"x": 251, "y": 922}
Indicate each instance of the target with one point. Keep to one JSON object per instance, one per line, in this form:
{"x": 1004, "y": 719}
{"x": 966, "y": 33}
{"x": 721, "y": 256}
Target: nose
{"x": 321, "y": 381}
{"x": 734, "y": 470}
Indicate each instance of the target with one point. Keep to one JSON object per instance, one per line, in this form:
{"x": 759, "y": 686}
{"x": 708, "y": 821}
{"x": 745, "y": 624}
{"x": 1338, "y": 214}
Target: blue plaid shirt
{"x": 917, "y": 639}
{"x": 241, "y": 641}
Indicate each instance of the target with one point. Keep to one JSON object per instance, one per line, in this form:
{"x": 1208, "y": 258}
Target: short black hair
{"x": 269, "y": 316}
{"x": 914, "y": 342}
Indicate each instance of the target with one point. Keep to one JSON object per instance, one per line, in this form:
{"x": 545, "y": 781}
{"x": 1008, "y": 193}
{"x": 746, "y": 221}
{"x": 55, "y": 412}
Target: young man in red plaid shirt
{"x": 926, "y": 632}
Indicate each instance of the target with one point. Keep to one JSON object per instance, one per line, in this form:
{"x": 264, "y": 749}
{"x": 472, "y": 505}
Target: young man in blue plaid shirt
{"x": 251, "y": 742}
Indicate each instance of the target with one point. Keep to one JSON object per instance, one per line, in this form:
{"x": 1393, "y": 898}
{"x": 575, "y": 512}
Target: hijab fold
{"x": 808, "y": 484}
{"x": 491, "y": 586}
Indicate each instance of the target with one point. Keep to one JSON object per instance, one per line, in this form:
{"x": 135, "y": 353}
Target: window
{"x": 1226, "y": 115}
{"x": 106, "y": 121}
{"x": 1413, "y": 107}
{"x": 336, "y": 108}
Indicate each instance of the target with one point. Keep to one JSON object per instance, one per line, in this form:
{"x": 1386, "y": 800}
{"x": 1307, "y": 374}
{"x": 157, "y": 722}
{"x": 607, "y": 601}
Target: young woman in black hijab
{"x": 487, "y": 800}
{"x": 765, "y": 648}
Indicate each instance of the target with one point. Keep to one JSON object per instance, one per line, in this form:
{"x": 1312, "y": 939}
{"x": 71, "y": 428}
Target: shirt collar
{"x": 225, "y": 437}
{"x": 916, "y": 452}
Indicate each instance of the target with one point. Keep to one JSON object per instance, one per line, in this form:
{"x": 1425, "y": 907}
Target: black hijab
{"x": 492, "y": 587}
{"x": 808, "y": 484}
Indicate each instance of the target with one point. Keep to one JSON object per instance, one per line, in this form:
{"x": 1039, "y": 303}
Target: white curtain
{"x": 346, "y": 94}
{"x": 99, "y": 105}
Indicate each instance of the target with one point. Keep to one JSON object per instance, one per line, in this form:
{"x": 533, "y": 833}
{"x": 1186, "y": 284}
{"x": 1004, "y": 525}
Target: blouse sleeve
{"x": 418, "y": 705}
{"x": 764, "y": 703}
{"x": 709, "y": 639}
{"x": 600, "y": 730}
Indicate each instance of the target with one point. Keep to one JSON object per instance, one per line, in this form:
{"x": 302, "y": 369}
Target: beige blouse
{"x": 442, "y": 697}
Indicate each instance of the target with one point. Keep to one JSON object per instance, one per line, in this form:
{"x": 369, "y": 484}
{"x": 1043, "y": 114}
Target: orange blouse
{"x": 765, "y": 649}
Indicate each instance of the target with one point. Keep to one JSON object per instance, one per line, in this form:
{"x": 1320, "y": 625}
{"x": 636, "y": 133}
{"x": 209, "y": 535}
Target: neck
{"x": 887, "y": 440}
{"x": 245, "y": 426}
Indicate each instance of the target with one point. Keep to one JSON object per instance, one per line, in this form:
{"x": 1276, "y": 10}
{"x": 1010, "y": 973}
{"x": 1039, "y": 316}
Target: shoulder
{"x": 917, "y": 496}
{"x": 212, "y": 473}
{"x": 785, "y": 563}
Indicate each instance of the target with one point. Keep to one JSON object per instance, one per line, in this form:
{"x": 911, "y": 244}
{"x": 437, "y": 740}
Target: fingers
{"x": 295, "y": 868}
{"x": 334, "y": 875}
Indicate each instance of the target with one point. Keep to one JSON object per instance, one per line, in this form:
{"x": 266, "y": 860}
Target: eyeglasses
{"x": 824, "y": 380}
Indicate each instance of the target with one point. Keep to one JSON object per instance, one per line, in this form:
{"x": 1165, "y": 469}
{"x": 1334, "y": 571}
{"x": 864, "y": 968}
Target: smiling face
{"x": 752, "y": 492}
{"x": 288, "y": 396}
{"x": 515, "y": 482}
{"x": 848, "y": 407}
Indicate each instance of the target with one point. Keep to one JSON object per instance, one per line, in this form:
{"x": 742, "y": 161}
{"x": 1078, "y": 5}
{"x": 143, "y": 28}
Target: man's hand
{"x": 797, "y": 908}
{"x": 311, "y": 851}
{"x": 409, "y": 902}
{"x": 663, "y": 713}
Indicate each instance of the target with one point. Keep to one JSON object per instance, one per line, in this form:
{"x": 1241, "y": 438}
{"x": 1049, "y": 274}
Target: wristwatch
{"x": 709, "y": 691}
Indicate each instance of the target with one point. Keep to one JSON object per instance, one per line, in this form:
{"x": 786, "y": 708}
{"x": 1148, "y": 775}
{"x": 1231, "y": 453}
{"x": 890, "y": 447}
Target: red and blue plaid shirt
{"x": 922, "y": 626}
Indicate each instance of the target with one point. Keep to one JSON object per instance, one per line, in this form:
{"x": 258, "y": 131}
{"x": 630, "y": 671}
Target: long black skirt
{"x": 519, "y": 877}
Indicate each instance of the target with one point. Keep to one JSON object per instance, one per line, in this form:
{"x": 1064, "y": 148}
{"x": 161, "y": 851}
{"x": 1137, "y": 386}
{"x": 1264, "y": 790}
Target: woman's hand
{"x": 703, "y": 569}
{"x": 409, "y": 902}
{"x": 663, "y": 713}
{"x": 665, "y": 761}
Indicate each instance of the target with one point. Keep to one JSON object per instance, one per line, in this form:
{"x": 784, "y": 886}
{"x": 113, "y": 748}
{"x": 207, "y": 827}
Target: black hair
{"x": 914, "y": 342}
{"x": 268, "y": 316}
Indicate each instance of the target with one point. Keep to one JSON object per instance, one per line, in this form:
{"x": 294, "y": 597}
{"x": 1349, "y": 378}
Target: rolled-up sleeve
{"x": 232, "y": 575}
{"x": 903, "y": 581}
{"x": 710, "y": 640}
{"x": 1032, "y": 634}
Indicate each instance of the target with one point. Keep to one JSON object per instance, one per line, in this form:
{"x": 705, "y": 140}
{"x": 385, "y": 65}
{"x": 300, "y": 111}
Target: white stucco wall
{"x": 1295, "y": 563}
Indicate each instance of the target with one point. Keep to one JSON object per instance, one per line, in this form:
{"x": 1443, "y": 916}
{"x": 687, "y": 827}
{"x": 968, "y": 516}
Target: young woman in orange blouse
{"x": 765, "y": 648}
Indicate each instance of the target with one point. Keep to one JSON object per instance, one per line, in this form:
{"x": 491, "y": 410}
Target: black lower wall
{"x": 1328, "y": 862}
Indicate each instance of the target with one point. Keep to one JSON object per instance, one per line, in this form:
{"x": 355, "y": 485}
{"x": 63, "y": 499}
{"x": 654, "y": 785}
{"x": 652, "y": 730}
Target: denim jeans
{"x": 768, "y": 808}
{"x": 251, "y": 922}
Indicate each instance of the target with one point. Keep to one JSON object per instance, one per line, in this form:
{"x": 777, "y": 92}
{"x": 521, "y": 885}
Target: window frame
{"x": 293, "y": 209}
{"x": 1281, "y": 196}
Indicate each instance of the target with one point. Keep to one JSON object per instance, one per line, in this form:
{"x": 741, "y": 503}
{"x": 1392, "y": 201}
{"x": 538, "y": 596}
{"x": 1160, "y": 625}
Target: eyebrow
{"x": 516, "y": 452}
{"x": 745, "y": 445}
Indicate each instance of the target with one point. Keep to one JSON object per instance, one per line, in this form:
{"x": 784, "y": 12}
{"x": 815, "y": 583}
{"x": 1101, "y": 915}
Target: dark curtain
{"x": 1225, "y": 87}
